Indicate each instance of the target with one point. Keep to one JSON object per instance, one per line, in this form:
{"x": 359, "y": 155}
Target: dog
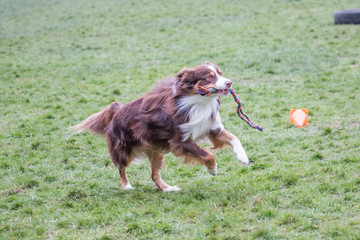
{"x": 170, "y": 118}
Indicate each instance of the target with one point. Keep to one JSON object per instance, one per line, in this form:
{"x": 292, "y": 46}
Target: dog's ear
{"x": 186, "y": 78}
{"x": 208, "y": 63}
{"x": 185, "y": 75}
{"x": 180, "y": 74}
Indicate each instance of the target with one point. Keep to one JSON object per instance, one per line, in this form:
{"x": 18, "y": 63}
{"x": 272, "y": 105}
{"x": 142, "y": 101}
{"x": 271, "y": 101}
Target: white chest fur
{"x": 200, "y": 112}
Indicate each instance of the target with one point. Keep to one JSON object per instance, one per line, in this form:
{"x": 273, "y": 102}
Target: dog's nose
{"x": 228, "y": 84}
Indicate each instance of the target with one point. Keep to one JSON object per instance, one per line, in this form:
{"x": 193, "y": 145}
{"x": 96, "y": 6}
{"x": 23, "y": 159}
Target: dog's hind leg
{"x": 125, "y": 184}
{"x": 193, "y": 152}
{"x": 121, "y": 158}
{"x": 124, "y": 181}
{"x": 156, "y": 160}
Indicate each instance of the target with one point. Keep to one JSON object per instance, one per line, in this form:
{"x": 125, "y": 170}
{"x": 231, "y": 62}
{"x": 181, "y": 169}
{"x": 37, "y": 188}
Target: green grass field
{"x": 61, "y": 61}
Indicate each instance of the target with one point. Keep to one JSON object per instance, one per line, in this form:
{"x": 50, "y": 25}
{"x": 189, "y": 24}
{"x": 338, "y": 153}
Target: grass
{"x": 64, "y": 60}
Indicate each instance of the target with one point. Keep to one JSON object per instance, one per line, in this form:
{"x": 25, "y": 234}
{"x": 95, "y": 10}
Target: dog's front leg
{"x": 193, "y": 152}
{"x": 227, "y": 138}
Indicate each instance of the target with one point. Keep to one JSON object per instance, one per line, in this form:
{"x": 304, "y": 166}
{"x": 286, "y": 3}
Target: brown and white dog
{"x": 170, "y": 118}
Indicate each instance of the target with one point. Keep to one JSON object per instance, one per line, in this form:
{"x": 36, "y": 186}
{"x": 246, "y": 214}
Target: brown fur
{"x": 150, "y": 124}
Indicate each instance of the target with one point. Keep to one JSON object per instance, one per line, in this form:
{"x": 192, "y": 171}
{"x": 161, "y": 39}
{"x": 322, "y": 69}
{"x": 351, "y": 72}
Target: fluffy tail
{"x": 98, "y": 122}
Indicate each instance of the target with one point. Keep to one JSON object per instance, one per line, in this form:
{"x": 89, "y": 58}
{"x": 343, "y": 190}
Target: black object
{"x": 349, "y": 16}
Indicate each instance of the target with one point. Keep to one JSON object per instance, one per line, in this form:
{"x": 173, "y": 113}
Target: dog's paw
{"x": 128, "y": 187}
{"x": 247, "y": 164}
{"x": 241, "y": 156}
{"x": 171, "y": 189}
{"x": 213, "y": 171}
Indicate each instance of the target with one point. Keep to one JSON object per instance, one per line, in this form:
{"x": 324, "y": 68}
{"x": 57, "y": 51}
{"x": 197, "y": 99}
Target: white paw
{"x": 248, "y": 164}
{"x": 172, "y": 189}
{"x": 239, "y": 151}
{"x": 128, "y": 187}
{"x": 240, "y": 155}
{"x": 242, "y": 158}
{"x": 213, "y": 171}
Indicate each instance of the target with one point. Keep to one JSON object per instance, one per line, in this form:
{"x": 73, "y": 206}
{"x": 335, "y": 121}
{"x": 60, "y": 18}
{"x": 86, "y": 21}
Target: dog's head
{"x": 207, "y": 75}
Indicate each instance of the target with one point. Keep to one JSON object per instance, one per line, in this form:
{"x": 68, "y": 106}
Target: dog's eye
{"x": 212, "y": 74}
{"x": 220, "y": 72}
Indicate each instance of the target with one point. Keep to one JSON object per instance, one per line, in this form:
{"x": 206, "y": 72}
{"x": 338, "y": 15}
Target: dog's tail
{"x": 98, "y": 122}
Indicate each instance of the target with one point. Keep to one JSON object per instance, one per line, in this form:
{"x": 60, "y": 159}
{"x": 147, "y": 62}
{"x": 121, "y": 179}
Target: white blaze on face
{"x": 220, "y": 83}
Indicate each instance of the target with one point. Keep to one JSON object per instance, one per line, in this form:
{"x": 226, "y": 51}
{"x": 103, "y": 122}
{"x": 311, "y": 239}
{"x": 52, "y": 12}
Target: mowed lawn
{"x": 61, "y": 61}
